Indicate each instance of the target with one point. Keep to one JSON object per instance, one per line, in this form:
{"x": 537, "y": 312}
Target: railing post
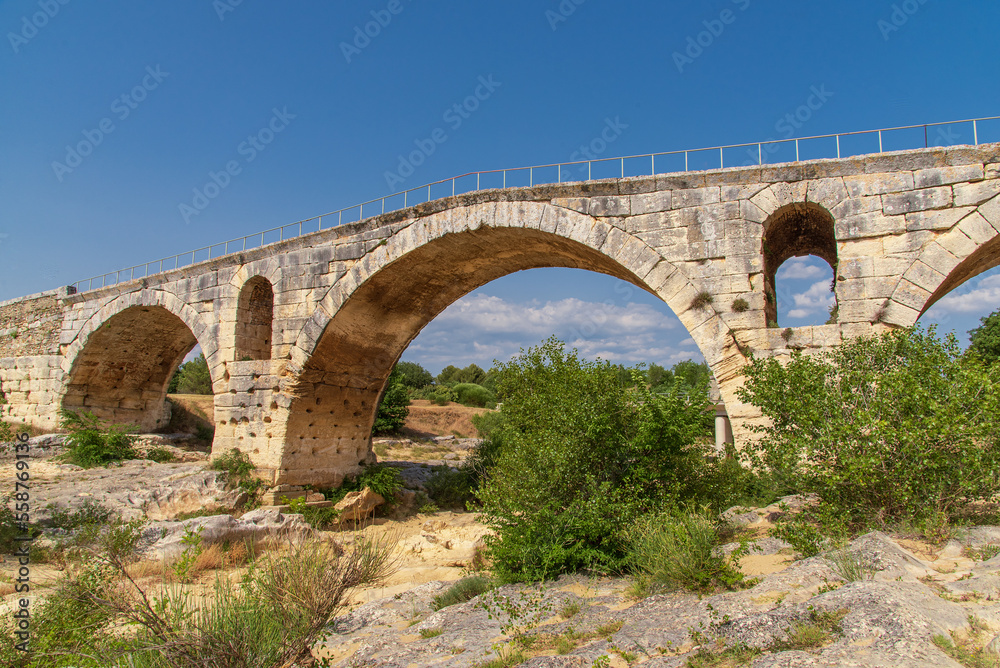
{"x": 531, "y": 176}
{"x": 686, "y": 161}
{"x": 478, "y": 174}
{"x": 589, "y": 172}
{"x": 838, "y": 146}
{"x": 880, "y": 141}
{"x": 383, "y": 205}
{"x": 559, "y": 173}
{"x": 652, "y": 164}
{"x": 722, "y": 160}
{"x": 505, "y": 178}
{"x": 975, "y": 132}
{"x": 428, "y": 192}
{"x": 796, "y": 150}
{"x": 453, "y": 187}
{"x": 623, "y": 168}
{"x": 760, "y": 154}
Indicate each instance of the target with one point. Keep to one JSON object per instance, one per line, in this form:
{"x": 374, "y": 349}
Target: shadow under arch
{"x": 336, "y": 393}
{"x": 122, "y": 370}
{"x": 795, "y": 230}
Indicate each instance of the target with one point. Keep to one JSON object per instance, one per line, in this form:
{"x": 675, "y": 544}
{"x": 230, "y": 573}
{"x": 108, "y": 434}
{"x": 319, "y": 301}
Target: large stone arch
{"x": 344, "y": 354}
{"x": 970, "y": 247}
{"x": 119, "y": 363}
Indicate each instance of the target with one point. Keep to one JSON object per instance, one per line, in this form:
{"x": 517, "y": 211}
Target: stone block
{"x": 909, "y": 294}
{"x": 941, "y": 176}
{"x": 974, "y": 194}
{"x": 917, "y": 200}
{"x": 609, "y": 206}
{"x": 977, "y": 228}
{"x": 731, "y": 193}
{"x": 873, "y": 224}
{"x": 924, "y": 276}
{"x": 957, "y": 243}
{"x": 682, "y": 199}
{"x": 650, "y": 202}
{"x": 991, "y": 211}
{"x": 940, "y": 219}
{"x": 867, "y": 185}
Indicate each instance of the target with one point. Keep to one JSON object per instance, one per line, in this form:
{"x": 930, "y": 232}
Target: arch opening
{"x": 122, "y": 372}
{"x": 795, "y": 230}
{"x": 254, "y": 320}
{"x": 981, "y": 260}
{"x": 804, "y": 291}
{"x": 338, "y": 390}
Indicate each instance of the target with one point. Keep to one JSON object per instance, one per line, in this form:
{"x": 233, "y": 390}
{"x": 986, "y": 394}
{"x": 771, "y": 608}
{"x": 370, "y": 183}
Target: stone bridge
{"x": 301, "y": 335}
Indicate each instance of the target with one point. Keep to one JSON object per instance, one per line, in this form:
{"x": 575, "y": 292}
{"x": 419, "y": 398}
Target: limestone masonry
{"x": 301, "y": 335}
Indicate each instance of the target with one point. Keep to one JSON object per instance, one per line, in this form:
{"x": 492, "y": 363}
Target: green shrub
{"x": 160, "y": 455}
{"x": 576, "y": 455}
{"x": 451, "y": 488}
{"x": 902, "y": 427}
{"x": 440, "y": 394}
{"x": 320, "y": 518}
{"x": 470, "y": 394}
{"x": 241, "y": 472}
{"x": 394, "y": 406}
{"x": 463, "y": 590}
{"x": 92, "y": 442}
{"x": 382, "y": 479}
{"x": 676, "y": 550}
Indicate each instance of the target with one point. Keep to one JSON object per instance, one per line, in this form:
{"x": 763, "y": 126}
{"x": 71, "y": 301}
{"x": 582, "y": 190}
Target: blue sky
{"x": 168, "y": 94}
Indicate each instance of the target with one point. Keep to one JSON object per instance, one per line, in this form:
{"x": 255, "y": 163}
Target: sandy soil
{"x": 428, "y": 419}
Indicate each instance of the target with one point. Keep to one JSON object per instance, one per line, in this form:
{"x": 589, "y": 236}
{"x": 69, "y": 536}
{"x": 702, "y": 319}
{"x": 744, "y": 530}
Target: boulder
{"x": 262, "y": 523}
{"x": 359, "y": 505}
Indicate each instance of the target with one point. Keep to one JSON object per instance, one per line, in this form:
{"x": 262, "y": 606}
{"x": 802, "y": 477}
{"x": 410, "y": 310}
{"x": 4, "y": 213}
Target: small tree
{"x": 192, "y": 377}
{"x": 394, "y": 407}
{"x": 414, "y": 376}
{"x": 985, "y": 339}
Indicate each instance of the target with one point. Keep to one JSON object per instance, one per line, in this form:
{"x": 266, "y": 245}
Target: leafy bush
{"x": 451, "y": 488}
{"x": 470, "y": 394}
{"x": 463, "y": 590}
{"x": 394, "y": 406}
{"x": 92, "y": 442}
{"x": 321, "y": 518}
{"x": 985, "y": 339}
{"x": 382, "y": 479}
{"x": 898, "y": 427}
{"x": 575, "y": 455}
{"x": 676, "y": 550}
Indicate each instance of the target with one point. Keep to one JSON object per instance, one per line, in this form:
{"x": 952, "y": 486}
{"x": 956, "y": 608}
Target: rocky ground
{"x": 882, "y": 605}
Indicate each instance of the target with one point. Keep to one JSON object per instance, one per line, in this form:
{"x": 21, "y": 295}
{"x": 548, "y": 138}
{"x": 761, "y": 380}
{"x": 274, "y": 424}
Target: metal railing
{"x": 700, "y": 159}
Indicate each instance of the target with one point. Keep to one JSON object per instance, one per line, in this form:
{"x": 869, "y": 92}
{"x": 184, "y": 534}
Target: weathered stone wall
{"x": 900, "y": 229}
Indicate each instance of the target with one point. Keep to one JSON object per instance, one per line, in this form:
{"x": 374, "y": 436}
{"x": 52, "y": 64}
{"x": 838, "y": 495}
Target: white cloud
{"x": 816, "y": 299}
{"x": 803, "y": 268}
{"x": 982, "y": 299}
{"x": 480, "y": 328}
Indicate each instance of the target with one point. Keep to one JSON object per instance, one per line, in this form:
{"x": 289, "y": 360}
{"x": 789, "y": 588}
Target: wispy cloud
{"x": 480, "y": 328}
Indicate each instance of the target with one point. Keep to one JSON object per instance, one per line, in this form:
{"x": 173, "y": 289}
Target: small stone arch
{"x": 795, "y": 230}
{"x": 119, "y": 364}
{"x": 254, "y": 320}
